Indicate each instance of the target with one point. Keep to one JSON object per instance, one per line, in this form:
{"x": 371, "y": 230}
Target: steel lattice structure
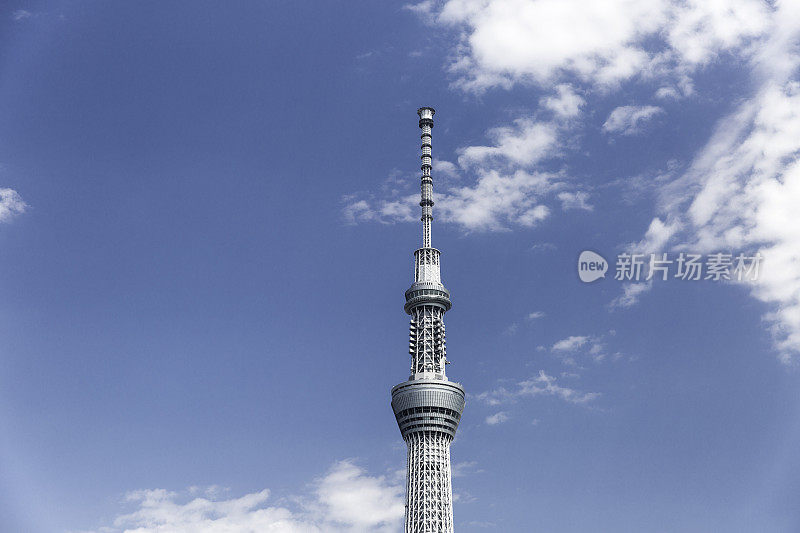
{"x": 428, "y": 406}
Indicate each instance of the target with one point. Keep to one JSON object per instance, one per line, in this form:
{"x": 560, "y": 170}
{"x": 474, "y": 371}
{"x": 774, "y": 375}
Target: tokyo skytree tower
{"x": 428, "y": 407}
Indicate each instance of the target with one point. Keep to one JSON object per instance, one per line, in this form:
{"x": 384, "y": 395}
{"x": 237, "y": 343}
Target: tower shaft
{"x": 428, "y": 406}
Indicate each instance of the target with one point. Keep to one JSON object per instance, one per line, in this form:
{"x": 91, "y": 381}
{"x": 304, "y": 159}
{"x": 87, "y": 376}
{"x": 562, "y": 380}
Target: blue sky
{"x": 207, "y": 221}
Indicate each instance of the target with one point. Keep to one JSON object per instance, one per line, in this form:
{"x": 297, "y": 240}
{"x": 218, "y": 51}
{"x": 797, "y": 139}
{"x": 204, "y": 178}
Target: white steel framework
{"x": 430, "y": 495}
{"x": 428, "y": 406}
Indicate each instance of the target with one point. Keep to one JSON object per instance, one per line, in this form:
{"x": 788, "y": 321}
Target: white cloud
{"x": 540, "y": 385}
{"x": 497, "y": 418}
{"x": 447, "y": 168}
{"x": 346, "y": 499}
{"x": 544, "y": 384}
{"x": 497, "y": 200}
{"x": 355, "y": 500}
{"x": 629, "y": 119}
{"x": 567, "y": 104}
{"x": 575, "y": 200}
{"x": 570, "y": 343}
{"x": 508, "y": 41}
{"x": 656, "y": 236}
{"x": 504, "y": 42}
{"x": 11, "y": 204}
{"x": 20, "y": 14}
{"x": 523, "y": 144}
{"x": 667, "y": 93}
{"x": 701, "y": 28}
{"x": 425, "y": 7}
{"x": 159, "y": 511}
{"x": 596, "y": 351}
{"x": 356, "y": 210}
{"x": 403, "y": 209}
{"x": 535, "y": 315}
{"x": 571, "y": 349}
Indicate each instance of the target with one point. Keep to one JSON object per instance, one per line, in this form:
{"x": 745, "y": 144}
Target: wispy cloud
{"x": 574, "y": 349}
{"x": 570, "y": 343}
{"x": 575, "y": 200}
{"x": 497, "y": 418}
{"x": 367, "y": 54}
{"x": 629, "y": 119}
{"x": 630, "y": 294}
{"x": 21, "y": 14}
{"x": 482, "y": 524}
{"x": 346, "y": 499}
{"x": 539, "y": 385}
{"x": 544, "y": 247}
{"x": 425, "y": 7}
{"x": 464, "y": 468}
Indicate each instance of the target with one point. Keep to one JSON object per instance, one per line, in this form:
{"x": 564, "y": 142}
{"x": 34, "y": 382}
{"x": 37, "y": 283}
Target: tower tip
{"x": 426, "y": 112}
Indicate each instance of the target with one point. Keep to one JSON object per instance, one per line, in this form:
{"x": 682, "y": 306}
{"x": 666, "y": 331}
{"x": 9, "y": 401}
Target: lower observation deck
{"x": 428, "y": 405}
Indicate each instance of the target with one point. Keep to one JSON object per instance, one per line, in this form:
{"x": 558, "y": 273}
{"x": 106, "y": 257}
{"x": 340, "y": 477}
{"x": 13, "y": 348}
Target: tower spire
{"x": 428, "y": 406}
{"x": 426, "y": 196}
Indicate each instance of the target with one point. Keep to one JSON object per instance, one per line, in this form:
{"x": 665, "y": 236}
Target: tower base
{"x": 428, "y": 412}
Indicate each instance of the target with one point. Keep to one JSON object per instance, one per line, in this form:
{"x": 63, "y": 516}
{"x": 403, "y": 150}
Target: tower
{"x": 428, "y": 407}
